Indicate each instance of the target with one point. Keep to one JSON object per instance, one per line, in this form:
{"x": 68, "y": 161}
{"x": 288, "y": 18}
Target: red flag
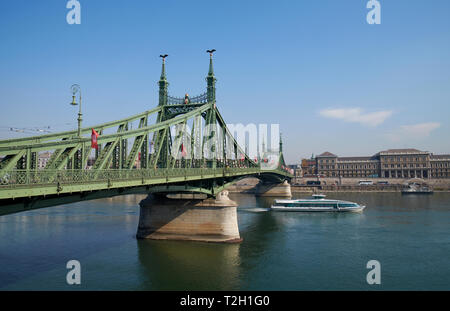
{"x": 94, "y": 136}
{"x": 139, "y": 156}
{"x": 183, "y": 151}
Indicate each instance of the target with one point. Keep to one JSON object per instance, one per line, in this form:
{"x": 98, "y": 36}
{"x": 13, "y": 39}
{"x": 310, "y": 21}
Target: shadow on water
{"x": 34, "y": 243}
{"x": 180, "y": 265}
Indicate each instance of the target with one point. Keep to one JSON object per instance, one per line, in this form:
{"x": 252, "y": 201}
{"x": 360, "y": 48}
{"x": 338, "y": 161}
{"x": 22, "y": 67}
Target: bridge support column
{"x": 206, "y": 220}
{"x": 273, "y": 190}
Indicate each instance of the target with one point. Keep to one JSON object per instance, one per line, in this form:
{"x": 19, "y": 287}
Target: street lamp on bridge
{"x": 76, "y": 88}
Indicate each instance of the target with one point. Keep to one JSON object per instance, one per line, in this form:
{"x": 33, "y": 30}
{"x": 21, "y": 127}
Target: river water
{"x": 408, "y": 235}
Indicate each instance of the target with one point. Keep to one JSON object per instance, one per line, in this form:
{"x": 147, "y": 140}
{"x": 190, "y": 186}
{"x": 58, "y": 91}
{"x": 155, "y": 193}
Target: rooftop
{"x": 402, "y": 151}
{"x": 440, "y": 156}
{"x": 326, "y": 154}
{"x": 356, "y": 158}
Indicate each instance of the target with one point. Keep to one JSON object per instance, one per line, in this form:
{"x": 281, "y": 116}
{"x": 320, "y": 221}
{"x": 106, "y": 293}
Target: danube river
{"x": 408, "y": 235}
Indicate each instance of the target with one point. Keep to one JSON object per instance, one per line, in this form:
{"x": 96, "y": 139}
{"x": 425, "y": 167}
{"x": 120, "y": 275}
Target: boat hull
{"x": 417, "y": 192}
{"x": 307, "y": 209}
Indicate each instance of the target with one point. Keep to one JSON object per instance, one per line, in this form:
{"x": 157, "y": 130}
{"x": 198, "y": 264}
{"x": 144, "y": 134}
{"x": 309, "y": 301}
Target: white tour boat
{"x": 317, "y": 203}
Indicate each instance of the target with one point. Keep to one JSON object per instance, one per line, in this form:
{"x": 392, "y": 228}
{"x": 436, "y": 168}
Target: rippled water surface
{"x": 408, "y": 235}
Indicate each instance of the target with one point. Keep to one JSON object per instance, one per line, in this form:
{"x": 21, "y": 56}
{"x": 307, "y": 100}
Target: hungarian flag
{"x": 94, "y": 136}
{"x": 242, "y": 157}
{"x": 183, "y": 151}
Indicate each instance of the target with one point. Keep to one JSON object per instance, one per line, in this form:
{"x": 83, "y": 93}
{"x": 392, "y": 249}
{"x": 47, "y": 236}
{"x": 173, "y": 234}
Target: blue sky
{"x": 332, "y": 81}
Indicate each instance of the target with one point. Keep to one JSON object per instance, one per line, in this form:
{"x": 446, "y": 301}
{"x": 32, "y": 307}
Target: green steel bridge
{"x": 186, "y": 149}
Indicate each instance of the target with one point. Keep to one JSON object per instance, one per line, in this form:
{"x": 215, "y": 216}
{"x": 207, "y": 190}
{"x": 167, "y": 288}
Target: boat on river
{"x": 316, "y": 203}
{"x": 417, "y": 189}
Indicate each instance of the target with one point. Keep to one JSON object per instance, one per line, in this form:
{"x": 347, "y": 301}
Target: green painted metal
{"x": 117, "y": 169}
{"x": 21, "y": 183}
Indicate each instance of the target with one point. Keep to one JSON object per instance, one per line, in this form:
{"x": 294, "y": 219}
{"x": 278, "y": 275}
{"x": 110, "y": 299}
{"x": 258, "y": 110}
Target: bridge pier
{"x": 206, "y": 220}
{"x": 273, "y": 189}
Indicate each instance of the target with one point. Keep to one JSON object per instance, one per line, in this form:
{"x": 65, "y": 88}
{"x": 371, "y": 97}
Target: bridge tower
{"x": 270, "y": 188}
{"x": 211, "y": 117}
{"x": 161, "y": 138}
{"x": 211, "y": 80}
{"x": 188, "y": 216}
{"x": 185, "y": 173}
{"x": 163, "y": 84}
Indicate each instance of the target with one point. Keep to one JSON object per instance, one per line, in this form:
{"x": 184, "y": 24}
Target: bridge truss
{"x": 188, "y": 149}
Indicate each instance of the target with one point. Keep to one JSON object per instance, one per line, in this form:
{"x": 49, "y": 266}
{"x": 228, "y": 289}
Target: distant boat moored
{"x": 317, "y": 203}
{"x": 417, "y": 189}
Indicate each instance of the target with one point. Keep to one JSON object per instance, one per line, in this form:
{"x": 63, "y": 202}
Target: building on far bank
{"x": 405, "y": 163}
{"x": 392, "y": 163}
{"x": 296, "y": 171}
{"x": 43, "y": 158}
{"x": 440, "y": 165}
{"x": 309, "y": 167}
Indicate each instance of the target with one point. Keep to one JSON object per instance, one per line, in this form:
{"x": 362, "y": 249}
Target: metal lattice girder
{"x": 10, "y": 161}
{"x": 137, "y": 145}
{"x": 236, "y": 145}
{"x": 43, "y": 146}
{"x": 54, "y": 157}
{"x": 161, "y": 137}
{"x": 85, "y": 157}
{"x": 25, "y": 141}
{"x": 64, "y": 157}
{"x": 178, "y": 142}
{"x": 105, "y": 156}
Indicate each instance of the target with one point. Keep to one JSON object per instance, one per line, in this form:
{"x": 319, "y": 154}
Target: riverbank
{"x": 248, "y": 185}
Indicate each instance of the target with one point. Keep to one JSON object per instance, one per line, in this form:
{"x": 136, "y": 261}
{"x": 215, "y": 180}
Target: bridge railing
{"x": 18, "y": 178}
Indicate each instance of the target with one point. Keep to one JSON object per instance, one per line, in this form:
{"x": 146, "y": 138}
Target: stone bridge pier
{"x": 270, "y": 189}
{"x": 189, "y": 217}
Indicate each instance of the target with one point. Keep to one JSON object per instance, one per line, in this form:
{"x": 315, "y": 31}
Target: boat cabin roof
{"x": 318, "y": 196}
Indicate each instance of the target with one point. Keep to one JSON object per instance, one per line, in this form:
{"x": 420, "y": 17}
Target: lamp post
{"x": 76, "y": 88}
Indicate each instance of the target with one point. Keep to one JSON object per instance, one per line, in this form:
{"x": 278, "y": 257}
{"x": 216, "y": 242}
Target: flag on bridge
{"x": 94, "y": 136}
{"x": 183, "y": 151}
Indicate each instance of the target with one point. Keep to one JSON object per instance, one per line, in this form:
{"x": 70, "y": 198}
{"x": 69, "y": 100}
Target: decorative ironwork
{"x": 200, "y": 99}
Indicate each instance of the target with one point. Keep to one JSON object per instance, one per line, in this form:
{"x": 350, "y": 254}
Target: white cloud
{"x": 356, "y": 115}
{"x": 414, "y": 131}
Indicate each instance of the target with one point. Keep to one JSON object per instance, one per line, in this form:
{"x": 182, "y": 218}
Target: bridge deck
{"x": 21, "y": 183}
